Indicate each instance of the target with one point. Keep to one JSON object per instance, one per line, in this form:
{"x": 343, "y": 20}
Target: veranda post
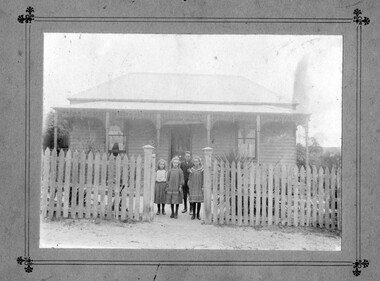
{"x": 207, "y": 184}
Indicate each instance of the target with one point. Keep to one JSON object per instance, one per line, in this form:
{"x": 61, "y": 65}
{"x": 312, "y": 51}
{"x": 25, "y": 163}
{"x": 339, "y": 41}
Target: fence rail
{"x": 101, "y": 186}
{"x": 247, "y": 194}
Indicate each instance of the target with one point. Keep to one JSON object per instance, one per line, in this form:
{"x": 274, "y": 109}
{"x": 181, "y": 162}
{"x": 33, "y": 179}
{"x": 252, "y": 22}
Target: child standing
{"x": 196, "y": 187}
{"x": 175, "y": 181}
{"x": 160, "y": 186}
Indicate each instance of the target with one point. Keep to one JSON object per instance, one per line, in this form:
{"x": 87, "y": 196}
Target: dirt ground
{"x": 182, "y": 233}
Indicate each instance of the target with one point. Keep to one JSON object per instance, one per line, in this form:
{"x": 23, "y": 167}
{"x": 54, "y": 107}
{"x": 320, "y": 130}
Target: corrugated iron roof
{"x": 181, "y": 88}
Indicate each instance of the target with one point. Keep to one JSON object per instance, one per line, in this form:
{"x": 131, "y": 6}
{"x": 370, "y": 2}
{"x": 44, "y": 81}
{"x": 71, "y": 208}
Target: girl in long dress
{"x": 175, "y": 181}
{"x": 160, "y": 186}
{"x": 196, "y": 187}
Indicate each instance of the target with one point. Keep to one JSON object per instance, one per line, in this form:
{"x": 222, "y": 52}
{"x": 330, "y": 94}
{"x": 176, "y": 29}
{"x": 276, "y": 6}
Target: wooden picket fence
{"x": 80, "y": 185}
{"x": 247, "y": 194}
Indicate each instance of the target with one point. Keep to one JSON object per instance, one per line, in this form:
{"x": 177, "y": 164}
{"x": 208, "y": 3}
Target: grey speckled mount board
{"x": 20, "y": 145}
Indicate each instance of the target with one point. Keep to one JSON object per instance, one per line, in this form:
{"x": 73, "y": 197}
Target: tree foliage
{"x": 317, "y": 155}
{"x": 62, "y": 133}
{"x": 331, "y": 159}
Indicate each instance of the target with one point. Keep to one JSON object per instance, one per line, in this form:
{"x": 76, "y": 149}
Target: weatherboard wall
{"x": 277, "y": 141}
{"x": 278, "y": 144}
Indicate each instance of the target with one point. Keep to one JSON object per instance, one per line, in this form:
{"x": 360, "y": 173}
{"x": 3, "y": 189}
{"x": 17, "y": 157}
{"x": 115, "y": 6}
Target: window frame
{"x": 124, "y": 136}
{"x": 247, "y": 128}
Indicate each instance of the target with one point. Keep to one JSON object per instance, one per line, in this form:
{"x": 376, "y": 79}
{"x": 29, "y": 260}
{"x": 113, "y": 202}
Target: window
{"x": 247, "y": 141}
{"x": 117, "y": 141}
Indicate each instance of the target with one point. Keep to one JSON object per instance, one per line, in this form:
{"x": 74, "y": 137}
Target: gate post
{"x": 148, "y": 149}
{"x": 207, "y": 184}
{"x": 152, "y": 185}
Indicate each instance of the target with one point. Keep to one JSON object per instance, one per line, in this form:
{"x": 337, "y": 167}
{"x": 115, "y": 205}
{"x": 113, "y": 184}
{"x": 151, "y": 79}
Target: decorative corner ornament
{"x": 28, "y": 17}
{"x": 359, "y": 19}
{"x": 358, "y": 265}
{"x": 27, "y": 262}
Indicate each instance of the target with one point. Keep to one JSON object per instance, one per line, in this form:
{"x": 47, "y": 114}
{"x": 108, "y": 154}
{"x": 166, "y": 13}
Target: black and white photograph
{"x": 191, "y": 141}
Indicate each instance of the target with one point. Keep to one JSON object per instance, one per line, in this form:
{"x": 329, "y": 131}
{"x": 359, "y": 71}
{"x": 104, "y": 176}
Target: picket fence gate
{"x": 102, "y": 186}
{"x": 248, "y": 194}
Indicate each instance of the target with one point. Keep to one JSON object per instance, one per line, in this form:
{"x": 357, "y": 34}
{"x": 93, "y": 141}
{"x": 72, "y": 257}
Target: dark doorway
{"x": 180, "y": 141}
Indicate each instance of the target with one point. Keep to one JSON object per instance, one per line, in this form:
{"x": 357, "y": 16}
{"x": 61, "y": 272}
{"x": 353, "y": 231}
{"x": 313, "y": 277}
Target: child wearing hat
{"x": 196, "y": 187}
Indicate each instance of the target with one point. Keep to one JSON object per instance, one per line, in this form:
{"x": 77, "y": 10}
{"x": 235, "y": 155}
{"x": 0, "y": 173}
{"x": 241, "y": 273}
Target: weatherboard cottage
{"x": 184, "y": 112}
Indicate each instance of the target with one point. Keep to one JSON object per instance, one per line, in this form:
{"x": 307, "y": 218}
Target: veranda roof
{"x": 180, "y": 88}
{"x": 181, "y": 107}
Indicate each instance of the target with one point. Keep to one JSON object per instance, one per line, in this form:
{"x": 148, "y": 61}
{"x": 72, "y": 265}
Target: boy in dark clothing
{"x": 186, "y": 166}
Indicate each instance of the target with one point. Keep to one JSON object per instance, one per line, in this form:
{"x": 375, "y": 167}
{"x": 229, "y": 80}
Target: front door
{"x": 180, "y": 141}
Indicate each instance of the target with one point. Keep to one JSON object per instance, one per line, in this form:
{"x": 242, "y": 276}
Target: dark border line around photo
{"x": 27, "y": 19}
